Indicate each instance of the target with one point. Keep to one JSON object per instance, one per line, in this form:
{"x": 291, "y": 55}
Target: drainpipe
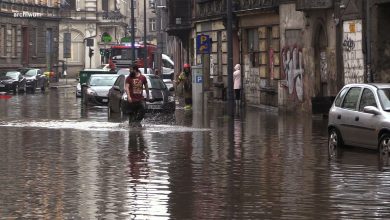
{"x": 370, "y": 77}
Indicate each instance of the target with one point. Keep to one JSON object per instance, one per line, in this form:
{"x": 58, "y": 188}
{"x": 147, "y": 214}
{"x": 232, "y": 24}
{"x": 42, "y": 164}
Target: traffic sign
{"x": 203, "y": 44}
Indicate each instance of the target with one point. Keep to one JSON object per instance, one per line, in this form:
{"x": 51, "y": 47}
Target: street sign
{"x": 203, "y": 44}
{"x": 199, "y": 79}
{"x": 90, "y": 42}
{"x": 67, "y": 45}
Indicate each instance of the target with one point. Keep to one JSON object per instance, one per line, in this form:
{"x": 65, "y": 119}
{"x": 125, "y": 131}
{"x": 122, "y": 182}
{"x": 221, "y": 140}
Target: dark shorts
{"x": 136, "y": 111}
{"x": 237, "y": 94}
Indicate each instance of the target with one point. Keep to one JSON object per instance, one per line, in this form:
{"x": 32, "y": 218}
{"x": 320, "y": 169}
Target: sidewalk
{"x": 63, "y": 83}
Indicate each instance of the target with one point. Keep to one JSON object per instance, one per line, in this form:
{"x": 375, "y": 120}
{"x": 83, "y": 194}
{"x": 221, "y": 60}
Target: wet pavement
{"x": 61, "y": 161}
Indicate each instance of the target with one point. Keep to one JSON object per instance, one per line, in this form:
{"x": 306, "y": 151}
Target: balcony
{"x": 210, "y": 9}
{"x": 245, "y": 5}
{"x": 179, "y": 17}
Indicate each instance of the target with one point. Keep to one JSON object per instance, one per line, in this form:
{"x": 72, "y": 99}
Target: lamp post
{"x": 132, "y": 31}
{"x": 229, "y": 29}
{"x": 159, "y": 40}
{"x": 145, "y": 44}
{"x": 368, "y": 42}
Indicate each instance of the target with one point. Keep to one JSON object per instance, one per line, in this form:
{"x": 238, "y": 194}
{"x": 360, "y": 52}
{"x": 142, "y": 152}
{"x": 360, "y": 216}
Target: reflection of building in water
{"x": 148, "y": 182}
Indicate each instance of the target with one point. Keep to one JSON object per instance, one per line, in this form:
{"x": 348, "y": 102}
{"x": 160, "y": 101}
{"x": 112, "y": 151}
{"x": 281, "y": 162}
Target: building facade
{"x": 90, "y": 24}
{"x": 29, "y": 34}
{"x": 295, "y": 54}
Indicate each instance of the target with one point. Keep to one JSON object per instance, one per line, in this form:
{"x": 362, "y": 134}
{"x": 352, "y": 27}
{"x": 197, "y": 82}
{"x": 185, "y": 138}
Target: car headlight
{"x": 91, "y": 92}
{"x": 171, "y": 98}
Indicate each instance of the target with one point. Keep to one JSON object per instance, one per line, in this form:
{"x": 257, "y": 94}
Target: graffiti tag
{"x": 348, "y": 44}
{"x": 293, "y": 70}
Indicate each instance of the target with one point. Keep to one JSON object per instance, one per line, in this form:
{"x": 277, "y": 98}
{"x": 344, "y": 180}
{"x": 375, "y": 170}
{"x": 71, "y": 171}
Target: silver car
{"x": 360, "y": 116}
{"x": 97, "y": 87}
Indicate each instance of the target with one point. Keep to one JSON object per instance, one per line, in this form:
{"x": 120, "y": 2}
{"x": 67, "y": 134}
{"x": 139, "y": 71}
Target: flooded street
{"x": 61, "y": 161}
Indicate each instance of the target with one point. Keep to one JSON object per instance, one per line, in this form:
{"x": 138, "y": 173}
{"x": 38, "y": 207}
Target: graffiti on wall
{"x": 293, "y": 71}
{"x": 352, "y": 52}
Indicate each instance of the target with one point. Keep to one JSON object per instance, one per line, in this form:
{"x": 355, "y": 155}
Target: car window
{"x": 12, "y": 74}
{"x": 31, "y": 73}
{"x": 156, "y": 83}
{"x": 351, "y": 99}
{"x": 384, "y": 98}
{"x": 368, "y": 99}
{"x": 122, "y": 83}
{"x": 340, "y": 97}
{"x": 102, "y": 80}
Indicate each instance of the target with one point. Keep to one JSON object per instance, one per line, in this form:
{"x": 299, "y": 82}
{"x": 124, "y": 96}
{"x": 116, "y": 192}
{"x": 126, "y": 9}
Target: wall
{"x": 352, "y": 52}
{"x": 308, "y": 41}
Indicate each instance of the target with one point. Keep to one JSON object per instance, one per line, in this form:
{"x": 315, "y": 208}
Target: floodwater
{"x": 61, "y": 161}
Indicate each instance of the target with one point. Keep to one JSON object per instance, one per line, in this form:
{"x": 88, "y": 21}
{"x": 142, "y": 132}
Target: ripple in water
{"x": 98, "y": 126}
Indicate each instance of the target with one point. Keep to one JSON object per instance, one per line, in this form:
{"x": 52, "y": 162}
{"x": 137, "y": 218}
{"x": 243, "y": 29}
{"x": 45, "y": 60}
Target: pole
{"x": 132, "y": 31}
{"x": 368, "y": 42}
{"x": 90, "y": 59}
{"x": 145, "y": 44}
{"x": 229, "y": 29}
{"x": 159, "y": 40}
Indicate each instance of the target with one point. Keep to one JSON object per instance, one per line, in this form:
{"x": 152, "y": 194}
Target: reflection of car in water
{"x": 12, "y": 81}
{"x": 360, "y": 116}
{"x": 97, "y": 88}
{"x": 161, "y": 99}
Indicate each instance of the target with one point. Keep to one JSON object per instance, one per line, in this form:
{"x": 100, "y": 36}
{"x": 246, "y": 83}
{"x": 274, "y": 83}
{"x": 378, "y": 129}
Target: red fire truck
{"x": 121, "y": 55}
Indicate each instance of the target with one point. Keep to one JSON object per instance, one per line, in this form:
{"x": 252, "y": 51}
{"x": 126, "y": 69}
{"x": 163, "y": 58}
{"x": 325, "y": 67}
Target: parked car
{"x": 12, "y": 81}
{"x": 97, "y": 88}
{"x": 360, "y": 116}
{"x": 160, "y": 97}
{"x": 84, "y": 76}
{"x": 34, "y": 79}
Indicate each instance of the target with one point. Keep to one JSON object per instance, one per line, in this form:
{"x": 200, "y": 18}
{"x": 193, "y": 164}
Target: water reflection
{"x": 60, "y": 161}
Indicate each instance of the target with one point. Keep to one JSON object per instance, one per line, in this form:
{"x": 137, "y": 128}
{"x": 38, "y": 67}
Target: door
{"x": 347, "y": 114}
{"x": 365, "y": 123}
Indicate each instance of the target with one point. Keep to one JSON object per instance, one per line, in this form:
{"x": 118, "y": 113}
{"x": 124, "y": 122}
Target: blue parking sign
{"x": 199, "y": 79}
{"x": 203, "y": 44}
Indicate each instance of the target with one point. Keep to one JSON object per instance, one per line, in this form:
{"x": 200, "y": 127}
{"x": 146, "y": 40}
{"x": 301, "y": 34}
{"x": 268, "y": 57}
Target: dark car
{"x": 12, "y": 81}
{"x": 97, "y": 88}
{"x": 160, "y": 98}
{"x": 34, "y": 79}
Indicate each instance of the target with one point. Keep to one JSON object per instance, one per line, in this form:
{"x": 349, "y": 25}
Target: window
{"x": 368, "y": 99}
{"x": 152, "y": 24}
{"x": 13, "y": 41}
{"x": 253, "y": 46}
{"x": 384, "y": 97}
{"x": 340, "y": 97}
{"x": 3, "y": 41}
{"x": 104, "y": 5}
{"x": 35, "y": 42}
{"x": 351, "y": 99}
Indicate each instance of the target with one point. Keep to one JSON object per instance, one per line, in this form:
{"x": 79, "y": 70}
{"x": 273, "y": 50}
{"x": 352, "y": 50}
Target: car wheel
{"x": 334, "y": 144}
{"x": 384, "y": 151}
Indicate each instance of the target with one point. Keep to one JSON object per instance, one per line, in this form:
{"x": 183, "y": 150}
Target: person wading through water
{"x": 135, "y": 83}
{"x": 186, "y": 78}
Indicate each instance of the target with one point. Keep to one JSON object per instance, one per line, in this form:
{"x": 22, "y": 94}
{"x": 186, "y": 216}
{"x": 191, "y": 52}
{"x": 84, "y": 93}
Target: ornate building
{"x": 89, "y": 22}
{"x": 29, "y": 34}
